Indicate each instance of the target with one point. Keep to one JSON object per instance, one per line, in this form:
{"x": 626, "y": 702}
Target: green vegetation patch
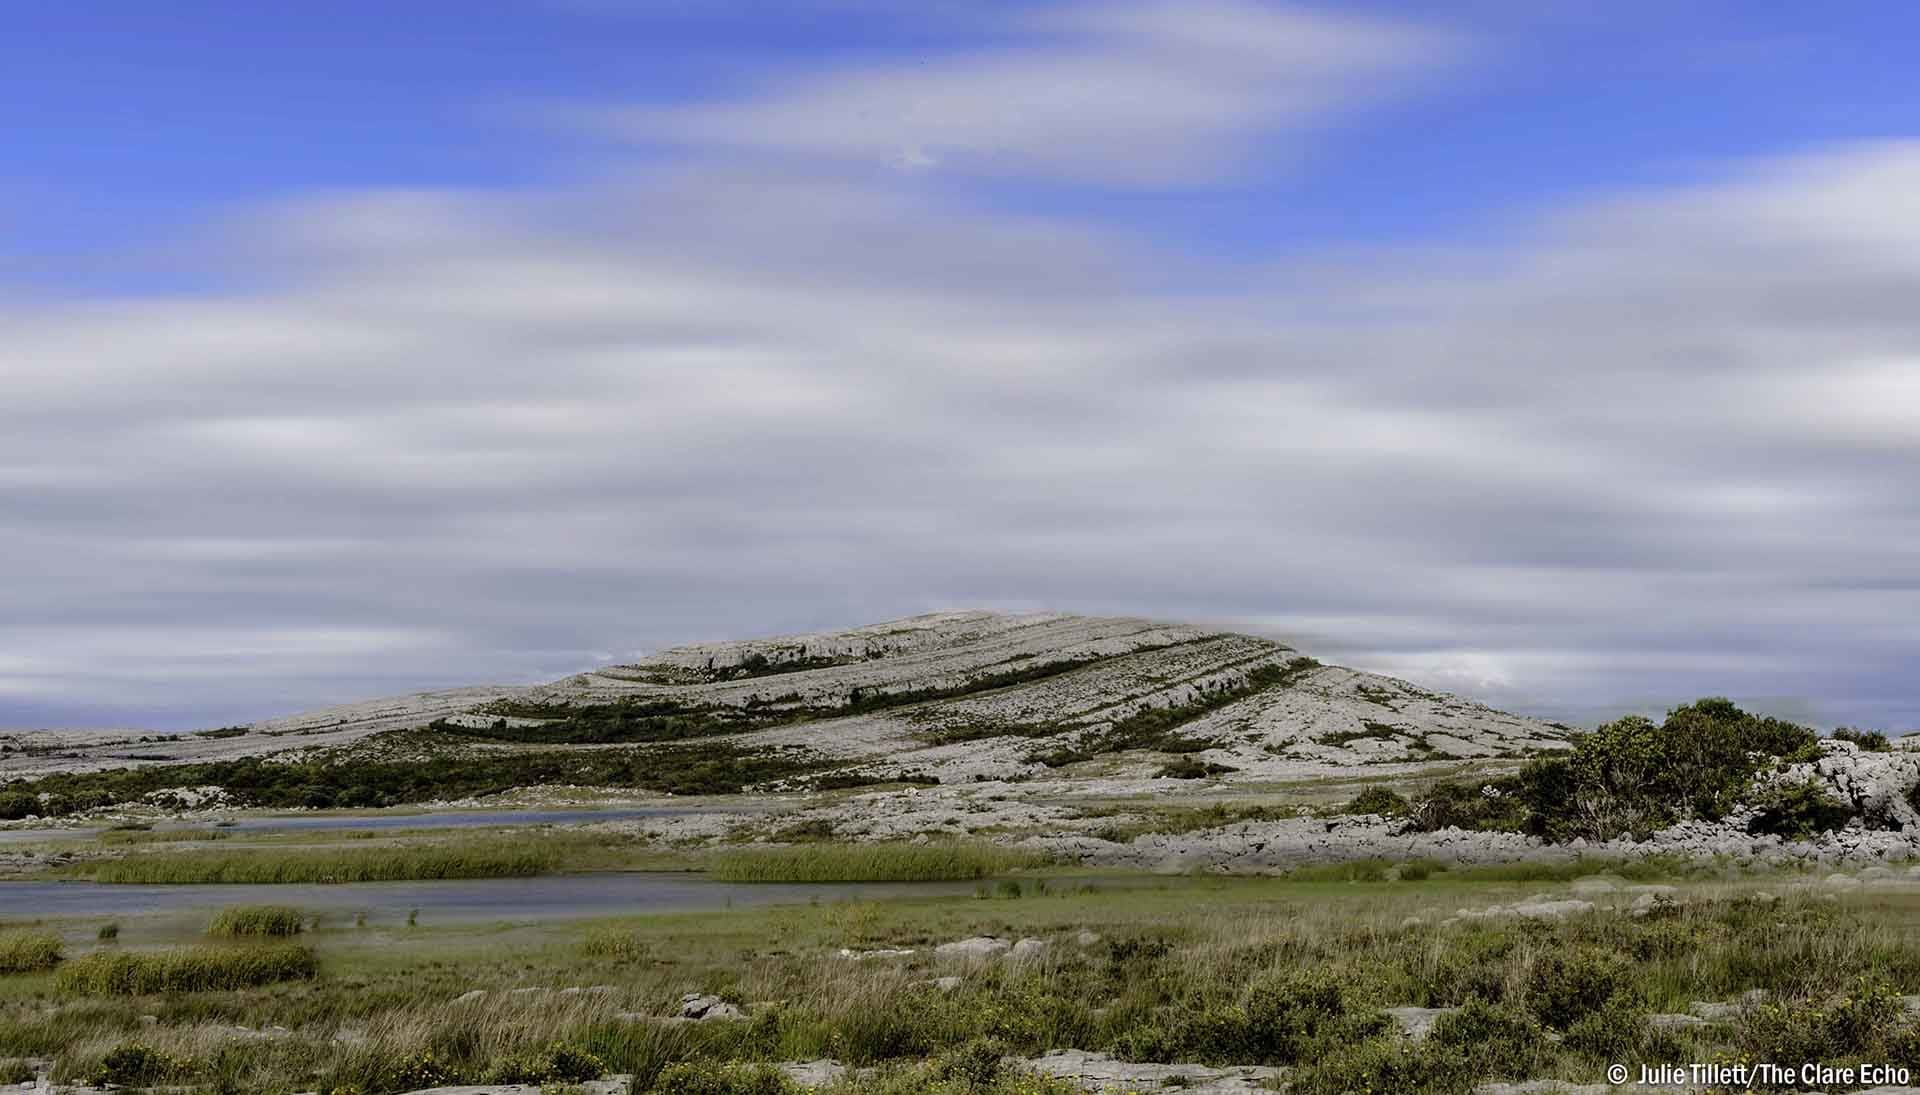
{"x": 1630, "y": 777}
{"x": 335, "y": 780}
{"x": 240, "y": 921}
{"x": 473, "y": 859}
{"x": 870, "y": 863}
{"x": 184, "y": 969}
{"x": 1157, "y": 728}
{"x": 28, "y": 951}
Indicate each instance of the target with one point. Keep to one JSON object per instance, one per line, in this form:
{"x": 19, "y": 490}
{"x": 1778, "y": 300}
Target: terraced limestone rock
{"x": 952, "y": 696}
{"x": 981, "y": 695}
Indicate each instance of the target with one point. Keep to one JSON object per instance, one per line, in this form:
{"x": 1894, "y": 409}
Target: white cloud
{"x": 1662, "y": 447}
{"x": 1135, "y": 94}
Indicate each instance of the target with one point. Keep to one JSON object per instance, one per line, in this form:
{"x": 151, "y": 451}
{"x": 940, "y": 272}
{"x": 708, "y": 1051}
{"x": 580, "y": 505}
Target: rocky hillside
{"x": 961, "y": 695}
{"x": 951, "y": 696}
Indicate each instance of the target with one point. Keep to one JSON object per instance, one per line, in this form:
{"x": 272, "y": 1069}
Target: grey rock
{"x": 977, "y": 949}
{"x": 704, "y": 1008}
{"x": 1416, "y": 1023}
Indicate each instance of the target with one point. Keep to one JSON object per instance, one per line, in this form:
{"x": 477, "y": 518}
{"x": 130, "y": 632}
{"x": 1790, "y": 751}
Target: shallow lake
{"x": 550, "y": 897}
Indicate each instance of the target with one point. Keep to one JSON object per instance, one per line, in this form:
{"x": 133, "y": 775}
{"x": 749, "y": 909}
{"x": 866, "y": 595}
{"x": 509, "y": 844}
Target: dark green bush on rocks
{"x": 1628, "y": 778}
{"x": 1799, "y": 810}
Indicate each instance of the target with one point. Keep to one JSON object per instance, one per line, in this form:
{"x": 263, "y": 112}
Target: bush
{"x": 1503, "y": 1041}
{"x": 1798, "y": 811}
{"x": 28, "y": 951}
{"x": 1278, "y": 1019}
{"x": 1863, "y": 1025}
{"x": 1633, "y": 777}
{"x": 1614, "y": 1032}
{"x": 133, "y": 1064}
{"x": 1380, "y": 1066}
{"x": 1376, "y": 799}
{"x": 707, "y": 1078}
{"x": 237, "y": 921}
{"x": 15, "y": 805}
{"x": 558, "y": 1063}
{"x": 1564, "y": 987}
{"x": 187, "y": 969}
{"x": 1493, "y": 806}
{"x": 1871, "y": 741}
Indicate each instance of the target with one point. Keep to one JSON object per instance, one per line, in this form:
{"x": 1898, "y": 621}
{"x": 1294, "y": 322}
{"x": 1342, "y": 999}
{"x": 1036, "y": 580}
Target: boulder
{"x": 980, "y": 948}
{"x": 702, "y": 1008}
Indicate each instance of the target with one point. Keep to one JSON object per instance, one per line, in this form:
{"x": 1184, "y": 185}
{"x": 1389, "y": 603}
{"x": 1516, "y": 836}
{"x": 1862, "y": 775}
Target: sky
{"x": 1564, "y": 355}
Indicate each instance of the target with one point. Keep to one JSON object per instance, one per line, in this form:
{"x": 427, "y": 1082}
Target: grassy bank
{"x": 869, "y": 863}
{"x": 1244, "y": 971}
{"x": 383, "y": 864}
{"x": 24, "y": 951}
{"x": 252, "y": 921}
{"x": 186, "y": 969}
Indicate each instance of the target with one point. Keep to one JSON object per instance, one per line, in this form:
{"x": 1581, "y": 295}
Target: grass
{"x": 244, "y": 921}
{"x": 1286, "y": 972}
{"x": 869, "y": 863}
{"x": 28, "y": 951}
{"x": 184, "y": 969}
{"x": 380, "y": 864}
{"x": 162, "y": 836}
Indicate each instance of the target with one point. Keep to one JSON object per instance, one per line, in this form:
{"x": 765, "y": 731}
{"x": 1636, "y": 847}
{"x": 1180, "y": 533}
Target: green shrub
{"x": 187, "y": 969}
{"x": 1613, "y": 1032}
{"x": 707, "y": 1078}
{"x": 1377, "y": 1066}
{"x": 134, "y": 1064}
{"x": 1503, "y": 1042}
{"x": 1492, "y": 805}
{"x": 1866, "y": 1024}
{"x": 237, "y": 921}
{"x": 108, "y": 932}
{"x": 1633, "y": 776}
{"x": 1565, "y": 986}
{"x": 15, "y": 805}
{"x": 28, "y": 951}
{"x": 1871, "y": 741}
{"x": 1376, "y": 799}
{"x": 558, "y": 1063}
{"x": 978, "y": 1063}
{"x": 1799, "y": 811}
{"x": 1277, "y": 1019}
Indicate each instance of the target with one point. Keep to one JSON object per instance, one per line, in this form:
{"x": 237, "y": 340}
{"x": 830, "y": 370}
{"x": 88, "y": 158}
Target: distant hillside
{"x": 965, "y": 694}
{"x": 950, "y": 697}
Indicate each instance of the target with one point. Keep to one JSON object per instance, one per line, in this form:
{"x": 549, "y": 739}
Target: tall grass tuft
{"x": 28, "y": 951}
{"x": 870, "y": 863}
{"x": 184, "y": 969}
{"x": 242, "y": 921}
{"x": 466, "y": 860}
{"x": 162, "y": 836}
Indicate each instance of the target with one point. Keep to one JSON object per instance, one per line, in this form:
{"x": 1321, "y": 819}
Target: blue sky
{"x": 1560, "y": 354}
{"x": 131, "y": 123}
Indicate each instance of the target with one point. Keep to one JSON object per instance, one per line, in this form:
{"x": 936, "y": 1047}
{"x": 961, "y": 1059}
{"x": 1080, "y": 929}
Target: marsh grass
{"x": 1241, "y": 971}
{"x": 869, "y": 863}
{"x": 28, "y": 951}
{"x": 115, "y": 837}
{"x": 184, "y": 969}
{"x": 244, "y": 921}
{"x": 348, "y": 864}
